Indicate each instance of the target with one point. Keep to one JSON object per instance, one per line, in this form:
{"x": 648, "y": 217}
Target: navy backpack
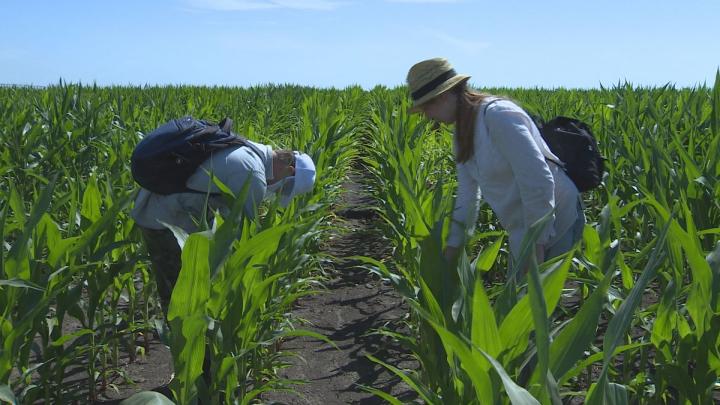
{"x": 166, "y": 158}
{"x": 573, "y": 142}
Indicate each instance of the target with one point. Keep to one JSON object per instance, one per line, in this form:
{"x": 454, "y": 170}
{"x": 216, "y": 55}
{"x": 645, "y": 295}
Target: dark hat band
{"x": 431, "y": 85}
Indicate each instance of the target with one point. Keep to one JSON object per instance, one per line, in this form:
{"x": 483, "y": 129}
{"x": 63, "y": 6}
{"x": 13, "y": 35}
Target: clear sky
{"x": 337, "y": 43}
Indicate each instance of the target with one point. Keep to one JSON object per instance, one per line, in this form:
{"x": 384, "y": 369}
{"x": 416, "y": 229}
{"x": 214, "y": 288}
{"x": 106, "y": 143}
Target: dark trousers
{"x": 166, "y": 259}
{"x": 165, "y": 256}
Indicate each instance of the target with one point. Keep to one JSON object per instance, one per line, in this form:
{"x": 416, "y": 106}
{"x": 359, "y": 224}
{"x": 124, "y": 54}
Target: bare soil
{"x": 152, "y": 372}
{"x": 351, "y": 307}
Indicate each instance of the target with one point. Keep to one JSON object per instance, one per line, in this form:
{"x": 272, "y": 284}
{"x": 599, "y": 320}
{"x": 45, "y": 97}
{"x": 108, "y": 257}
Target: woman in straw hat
{"x": 499, "y": 152}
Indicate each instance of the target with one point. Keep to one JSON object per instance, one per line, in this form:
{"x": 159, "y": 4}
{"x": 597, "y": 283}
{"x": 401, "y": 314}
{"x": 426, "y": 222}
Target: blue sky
{"x": 337, "y": 43}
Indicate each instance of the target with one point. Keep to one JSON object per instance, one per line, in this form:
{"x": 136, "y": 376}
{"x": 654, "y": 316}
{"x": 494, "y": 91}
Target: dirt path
{"x": 354, "y": 304}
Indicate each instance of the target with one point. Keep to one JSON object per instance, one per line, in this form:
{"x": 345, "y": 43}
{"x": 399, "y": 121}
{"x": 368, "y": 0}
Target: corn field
{"x": 631, "y": 315}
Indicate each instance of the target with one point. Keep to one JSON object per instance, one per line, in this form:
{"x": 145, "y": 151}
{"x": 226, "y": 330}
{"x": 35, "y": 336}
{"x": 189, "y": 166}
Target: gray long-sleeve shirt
{"x": 508, "y": 166}
{"x": 232, "y": 166}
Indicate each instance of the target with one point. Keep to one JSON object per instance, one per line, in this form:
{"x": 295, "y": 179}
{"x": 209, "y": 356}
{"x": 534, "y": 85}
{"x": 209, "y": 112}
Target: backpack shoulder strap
{"x": 488, "y": 105}
{"x": 484, "y": 113}
{"x": 252, "y": 147}
{"x": 542, "y": 149}
{"x": 226, "y": 125}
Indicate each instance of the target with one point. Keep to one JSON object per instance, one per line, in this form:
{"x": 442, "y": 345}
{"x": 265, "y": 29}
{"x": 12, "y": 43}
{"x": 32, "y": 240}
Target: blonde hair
{"x": 468, "y": 102}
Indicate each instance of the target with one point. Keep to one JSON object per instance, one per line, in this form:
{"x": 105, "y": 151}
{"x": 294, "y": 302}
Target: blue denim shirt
{"x": 232, "y": 166}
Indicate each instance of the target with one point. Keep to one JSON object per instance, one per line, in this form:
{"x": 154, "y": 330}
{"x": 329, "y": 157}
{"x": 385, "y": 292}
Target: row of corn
{"x": 631, "y": 315}
{"x": 76, "y": 289}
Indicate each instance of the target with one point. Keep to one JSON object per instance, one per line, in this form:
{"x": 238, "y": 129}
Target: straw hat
{"x": 430, "y": 78}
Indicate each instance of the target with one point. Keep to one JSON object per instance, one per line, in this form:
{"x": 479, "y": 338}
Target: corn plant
{"x": 70, "y": 250}
{"x": 656, "y": 217}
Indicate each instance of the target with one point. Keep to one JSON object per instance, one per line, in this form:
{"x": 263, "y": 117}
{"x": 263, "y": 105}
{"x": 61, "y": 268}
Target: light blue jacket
{"x": 232, "y": 166}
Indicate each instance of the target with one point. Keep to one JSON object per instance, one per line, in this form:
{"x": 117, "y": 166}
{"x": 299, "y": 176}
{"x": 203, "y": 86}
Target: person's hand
{"x": 451, "y": 253}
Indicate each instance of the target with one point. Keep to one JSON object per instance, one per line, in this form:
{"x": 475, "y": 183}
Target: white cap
{"x": 303, "y": 180}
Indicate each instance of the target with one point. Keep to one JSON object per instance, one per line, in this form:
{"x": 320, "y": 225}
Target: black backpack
{"x": 166, "y": 158}
{"x": 574, "y": 144}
